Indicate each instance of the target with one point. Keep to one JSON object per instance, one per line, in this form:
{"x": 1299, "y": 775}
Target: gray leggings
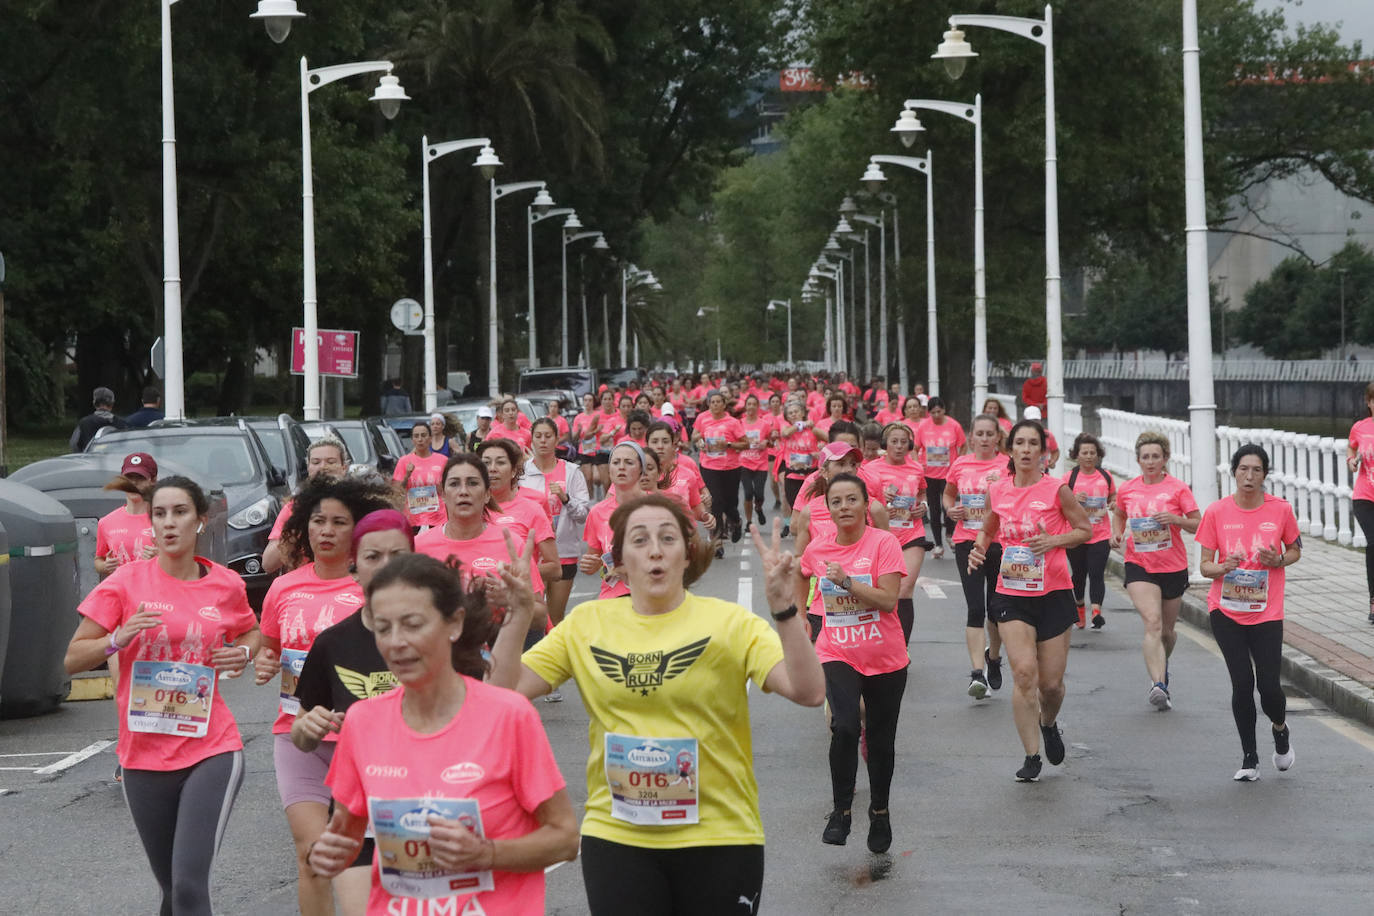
{"x": 181, "y": 816}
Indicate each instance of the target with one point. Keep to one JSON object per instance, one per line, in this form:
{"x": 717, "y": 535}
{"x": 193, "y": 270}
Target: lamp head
{"x": 873, "y": 177}
{"x": 600, "y": 244}
{"x": 487, "y": 162}
{"x": 276, "y": 15}
{"x": 955, "y": 52}
{"x": 843, "y": 227}
{"x": 701, "y": 313}
{"x": 389, "y": 96}
{"x": 543, "y": 201}
{"x": 831, "y": 244}
{"x": 908, "y": 126}
{"x": 572, "y": 223}
{"x": 848, "y": 207}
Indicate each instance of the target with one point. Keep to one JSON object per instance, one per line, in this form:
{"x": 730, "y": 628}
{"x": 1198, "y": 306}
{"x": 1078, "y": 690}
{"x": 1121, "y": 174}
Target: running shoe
{"x": 1098, "y": 620}
{"x": 836, "y": 828}
{"x": 1082, "y": 620}
{"x": 1053, "y": 739}
{"x": 747, "y": 525}
{"x": 720, "y": 552}
{"x": 939, "y": 552}
{"x": 787, "y": 531}
{"x": 1030, "y": 770}
{"x": 1159, "y": 697}
{"x": 977, "y": 685}
{"x": 734, "y": 531}
{"x": 879, "y": 831}
{"x": 1249, "y": 769}
{"x": 554, "y": 696}
{"x": 762, "y": 520}
{"x": 1283, "y": 750}
{"x": 993, "y": 667}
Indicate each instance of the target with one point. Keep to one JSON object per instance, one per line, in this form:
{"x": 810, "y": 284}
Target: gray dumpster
{"x": 43, "y": 599}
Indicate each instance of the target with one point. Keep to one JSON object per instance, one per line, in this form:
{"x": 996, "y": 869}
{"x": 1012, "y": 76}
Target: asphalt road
{"x": 1141, "y": 818}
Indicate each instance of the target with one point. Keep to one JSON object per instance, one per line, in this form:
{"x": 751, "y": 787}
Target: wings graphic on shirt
{"x": 362, "y": 685}
{"x": 646, "y": 671}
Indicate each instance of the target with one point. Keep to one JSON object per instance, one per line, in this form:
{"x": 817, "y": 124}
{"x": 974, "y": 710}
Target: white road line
{"x": 39, "y": 754}
{"x": 18, "y": 769}
{"x": 746, "y": 591}
{"x": 933, "y": 591}
{"x": 743, "y": 565}
{"x": 72, "y": 760}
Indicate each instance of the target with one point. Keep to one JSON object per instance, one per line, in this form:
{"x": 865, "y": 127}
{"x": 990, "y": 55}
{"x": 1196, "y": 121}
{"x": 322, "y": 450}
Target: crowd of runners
{"x": 416, "y": 618}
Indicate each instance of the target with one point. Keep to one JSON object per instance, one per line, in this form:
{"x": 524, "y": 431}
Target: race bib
{"x": 715, "y": 446}
{"x": 937, "y": 456}
{"x": 975, "y": 510}
{"x": 1095, "y": 506}
{"x": 843, "y": 609}
{"x": 653, "y": 781}
{"x": 899, "y": 511}
{"x": 587, "y": 446}
{"x": 754, "y": 436}
{"x": 1022, "y": 570}
{"x": 404, "y": 859}
{"x": 1149, "y": 535}
{"x": 170, "y": 698}
{"x": 292, "y": 661}
{"x": 799, "y": 459}
{"x": 607, "y": 565}
{"x": 422, "y": 500}
{"x": 1245, "y": 591}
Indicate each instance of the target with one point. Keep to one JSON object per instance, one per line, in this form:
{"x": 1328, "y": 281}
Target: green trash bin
{"x": 42, "y": 598}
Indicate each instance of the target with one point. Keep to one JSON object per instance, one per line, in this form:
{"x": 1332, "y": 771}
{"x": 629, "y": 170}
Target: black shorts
{"x": 1171, "y": 584}
{"x": 923, "y": 543}
{"x": 1050, "y": 614}
{"x": 569, "y": 568}
{"x": 601, "y": 457}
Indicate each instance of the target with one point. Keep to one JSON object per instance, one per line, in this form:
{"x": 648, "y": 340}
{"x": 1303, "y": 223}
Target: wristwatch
{"x": 786, "y": 614}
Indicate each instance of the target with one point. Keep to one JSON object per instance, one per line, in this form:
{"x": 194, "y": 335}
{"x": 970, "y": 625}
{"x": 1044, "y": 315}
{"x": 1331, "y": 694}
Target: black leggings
{"x": 940, "y": 524}
{"x": 1364, "y": 514}
{"x": 979, "y": 585}
{"x": 181, "y": 816}
{"x": 724, "y": 488}
{"x": 755, "y": 485}
{"x": 791, "y": 487}
{"x": 1252, "y": 653}
{"x": 690, "y": 880}
{"x": 882, "y": 696}
{"x": 1088, "y": 564}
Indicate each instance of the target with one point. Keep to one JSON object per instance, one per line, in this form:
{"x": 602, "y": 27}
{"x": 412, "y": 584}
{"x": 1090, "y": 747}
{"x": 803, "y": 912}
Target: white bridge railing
{"x": 1308, "y": 471}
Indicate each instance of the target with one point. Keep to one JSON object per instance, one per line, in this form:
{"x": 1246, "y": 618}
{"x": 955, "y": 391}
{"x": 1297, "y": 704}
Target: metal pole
{"x": 586, "y": 327}
{"x": 606, "y": 323}
{"x": 1342, "y": 276}
{"x": 1054, "y": 330}
{"x": 980, "y": 293}
{"x": 431, "y": 370}
{"x": 789, "y": 333}
{"x": 174, "y": 390}
{"x": 932, "y": 330}
{"x": 902, "y": 376}
{"x": 310, "y": 339}
{"x": 829, "y": 343}
{"x": 624, "y": 310}
{"x": 1202, "y": 406}
{"x": 529, "y": 268}
{"x": 841, "y": 348}
{"x": 851, "y": 313}
{"x": 636, "y": 348}
{"x": 563, "y": 241}
{"x": 493, "y": 368}
{"x": 868, "y": 312}
{"x": 882, "y": 295}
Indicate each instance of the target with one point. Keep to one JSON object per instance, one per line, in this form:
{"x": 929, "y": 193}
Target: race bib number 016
{"x": 404, "y": 858}
{"x": 653, "y": 781}
{"x": 1095, "y": 506}
{"x": 843, "y": 609}
{"x": 1245, "y": 591}
{"x": 1149, "y": 535}
{"x": 170, "y": 698}
{"x": 1022, "y": 570}
{"x": 975, "y": 510}
{"x": 292, "y": 661}
{"x": 422, "y": 500}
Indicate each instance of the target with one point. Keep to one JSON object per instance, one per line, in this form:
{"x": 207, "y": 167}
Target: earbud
{"x": 200, "y": 529}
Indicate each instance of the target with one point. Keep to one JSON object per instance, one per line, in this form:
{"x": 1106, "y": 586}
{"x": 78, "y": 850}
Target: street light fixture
{"x": 907, "y": 127}
{"x": 639, "y": 278}
{"x": 974, "y": 115}
{"x": 819, "y": 273}
{"x": 276, "y": 15}
{"x": 538, "y": 211}
{"x": 880, "y": 221}
{"x": 390, "y": 95}
{"x": 924, "y": 165}
{"x": 568, "y": 239}
{"x": 701, "y": 313}
{"x": 428, "y": 153}
{"x": 497, "y": 192}
{"x": 955, "y": 52}
{"x": 773, "y": 307}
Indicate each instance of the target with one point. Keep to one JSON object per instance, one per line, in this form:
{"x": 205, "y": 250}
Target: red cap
{"x": 837, "y": 450}
{"x": 1036, "y": 366}
{"x": 140, "y": 464}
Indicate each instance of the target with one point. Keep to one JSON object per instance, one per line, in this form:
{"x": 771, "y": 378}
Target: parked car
{"x": 622, "y": 377}
{"x": 572, "y": 406}
{"x": 465, "y": 411}
{"x": 364, "y": 439}
{"x": 577, "y": 379}
{"x": 286, "y": 442}
{"x": 227, "y": 456}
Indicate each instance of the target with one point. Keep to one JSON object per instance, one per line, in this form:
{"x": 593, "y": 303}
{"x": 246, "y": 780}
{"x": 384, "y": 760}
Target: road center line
{"x": 72, "y": 760}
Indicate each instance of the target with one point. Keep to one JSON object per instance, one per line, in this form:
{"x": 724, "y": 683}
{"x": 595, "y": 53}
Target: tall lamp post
{"x": 570, "y": 235}
{"x": 536, "y": 213}
{"x": 498, "y": 191}
{"x": 486, "y": 163}
{"x": 907, "y": 127}
{"x": 956, "y": 52}
{"x": 874, "y": 177}
{"x": 277, "y": 16}
{"x": 701, "y": 313}
{"x": 818, "y": 272}
{"x": 639, "y": 278}
{"x": 880, "y": 223}
{"x": 389, "y": 95}
{"x": 787, "y": 304}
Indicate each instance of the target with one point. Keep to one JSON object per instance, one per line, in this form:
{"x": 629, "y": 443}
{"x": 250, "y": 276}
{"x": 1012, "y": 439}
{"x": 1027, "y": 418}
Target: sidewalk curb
{"x": 1343, "y": 694}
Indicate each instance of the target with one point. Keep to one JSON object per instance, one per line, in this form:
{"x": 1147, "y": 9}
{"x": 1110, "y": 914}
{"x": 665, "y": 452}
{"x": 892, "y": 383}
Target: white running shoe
{"x": 977, "y": 685}
{"x": 1283, "y": 750}
{"x": 1159, "y": 698}
{"x": 1249, "y": 769}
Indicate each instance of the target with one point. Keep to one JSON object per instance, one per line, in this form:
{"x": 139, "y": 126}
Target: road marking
{"x": 18, "y": 769}
{"x": 39, "y": 754}
{"x": 929, "y": 580}
{"x": 72, "y": 760}
{"x": 743, "y": 565}
{"x": 933, "y": 591}
{"x": 746, "y": 591}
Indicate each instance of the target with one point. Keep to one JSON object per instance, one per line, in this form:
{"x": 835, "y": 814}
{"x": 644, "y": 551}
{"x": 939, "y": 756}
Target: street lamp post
{"x": 974, "y": 115}
{"x": 389, "y": 95}
{"x": 773, "y": 307}
{"x": 925, "y": 165}
{"x": 955, "y": 52}
{"x": 880, "y": 221}
{"x": 497, "y": 192}
{"x": 701, "y": 313}
{"x": 486, "y": 162}
{"x": 277, "y": 16}
{"x": 537, "y": 212}
{"x": 818, "y": 271}
{"x": 600, "y": 243}
{"x": 640, "y": 277}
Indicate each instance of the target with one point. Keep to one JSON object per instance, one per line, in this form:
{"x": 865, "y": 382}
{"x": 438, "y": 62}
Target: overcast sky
{"x": 1356, "y": 17}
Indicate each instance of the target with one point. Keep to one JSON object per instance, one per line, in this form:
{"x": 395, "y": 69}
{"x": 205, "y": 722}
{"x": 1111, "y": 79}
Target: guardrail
{"x": 1229, "y": 370}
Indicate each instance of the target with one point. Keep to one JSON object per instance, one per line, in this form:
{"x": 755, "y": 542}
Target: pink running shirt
{"x": 1253, "y": 592}
{"x": 874, "y": 642}
{"x": 1020, "y": 513}
{"x": 1138, "y": 501}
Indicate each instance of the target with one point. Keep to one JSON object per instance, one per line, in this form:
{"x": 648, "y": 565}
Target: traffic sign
{"x": 158, "y": 358}
{"x": 407, "y": 315}
{"x": 338, "y": 352}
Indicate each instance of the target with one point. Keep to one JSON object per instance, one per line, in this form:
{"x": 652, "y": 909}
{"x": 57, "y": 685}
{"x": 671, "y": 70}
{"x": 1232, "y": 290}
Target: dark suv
{"x": 222, "y": 455}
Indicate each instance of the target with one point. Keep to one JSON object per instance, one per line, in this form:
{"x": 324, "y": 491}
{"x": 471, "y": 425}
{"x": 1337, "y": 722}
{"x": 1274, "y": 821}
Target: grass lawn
{"x": 27, "y": 446}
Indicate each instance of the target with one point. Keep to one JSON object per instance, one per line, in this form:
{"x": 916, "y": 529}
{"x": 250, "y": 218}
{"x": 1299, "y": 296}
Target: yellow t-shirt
{"x": 679, "y": 675}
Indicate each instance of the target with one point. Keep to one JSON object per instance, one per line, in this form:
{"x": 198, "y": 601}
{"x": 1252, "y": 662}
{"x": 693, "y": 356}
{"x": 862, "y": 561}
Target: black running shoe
{"x": 1283, "y": 750}
{"x": 762, "y": 520}
{"x": 1054, "y": 743}
{"x": 977, "y": 685}
{"x": 735, "y": 531}
{"x": 1099, "y": 621}
{"x": 1030, "y": 770}
{"x": 993, "y": 668}
{"x": 836, "y": 829}
{"x": 879, "y": 831}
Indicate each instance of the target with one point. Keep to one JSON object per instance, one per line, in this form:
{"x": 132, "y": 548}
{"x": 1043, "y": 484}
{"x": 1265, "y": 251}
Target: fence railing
{"x": 1243, "y": 370}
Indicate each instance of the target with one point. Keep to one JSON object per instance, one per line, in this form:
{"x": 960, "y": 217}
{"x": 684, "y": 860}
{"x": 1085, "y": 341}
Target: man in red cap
{"x": 1035, "y": 389}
